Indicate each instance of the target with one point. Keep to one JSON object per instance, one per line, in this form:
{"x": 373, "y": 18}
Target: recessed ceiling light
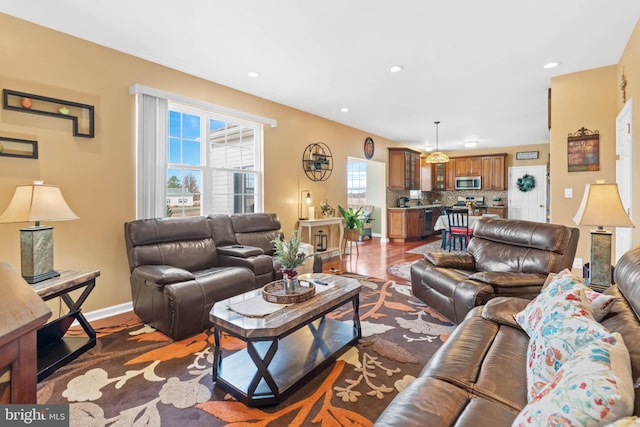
{"x": 344, "y": 110}
{"x": 471, "y": 144}
{"x": 550, "y": 65}
{"x": 253, "y": 74}
{"x": 395, "y": 68}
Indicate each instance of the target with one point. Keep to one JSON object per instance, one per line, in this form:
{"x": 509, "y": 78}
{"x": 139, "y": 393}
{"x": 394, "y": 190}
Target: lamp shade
{"x": 437, "y": 156}
{"x": 37, "y": 202}
{"x": 601, "y": 206}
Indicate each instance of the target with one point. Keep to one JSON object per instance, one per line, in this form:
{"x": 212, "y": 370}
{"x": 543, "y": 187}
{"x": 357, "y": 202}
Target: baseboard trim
{"x": 103, "y": 313}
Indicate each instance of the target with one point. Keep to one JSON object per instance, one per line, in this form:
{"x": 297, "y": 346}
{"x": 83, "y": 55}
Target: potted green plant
{"x": 353, "y": 224}
{"x": 290, "y": 257}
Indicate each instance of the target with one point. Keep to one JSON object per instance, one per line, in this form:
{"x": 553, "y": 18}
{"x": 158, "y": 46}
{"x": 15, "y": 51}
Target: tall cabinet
{"x": 493, "y": 172}
{"x": 404, "y": 169}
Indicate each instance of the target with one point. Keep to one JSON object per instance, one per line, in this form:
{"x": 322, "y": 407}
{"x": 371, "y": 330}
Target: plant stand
{"x": 351, "y": 236}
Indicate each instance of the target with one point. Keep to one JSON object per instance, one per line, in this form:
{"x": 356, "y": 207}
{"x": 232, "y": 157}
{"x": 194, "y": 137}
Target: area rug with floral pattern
{"x": 402, "y": 270}
{"x": 140, "y": 377}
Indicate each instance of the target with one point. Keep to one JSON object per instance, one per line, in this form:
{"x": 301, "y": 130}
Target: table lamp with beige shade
{"x": 35, "y": 203}
{"x": 601, "y": 206}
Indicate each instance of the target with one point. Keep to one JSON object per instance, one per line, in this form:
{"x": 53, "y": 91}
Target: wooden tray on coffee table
{"x": 274, "y": 292}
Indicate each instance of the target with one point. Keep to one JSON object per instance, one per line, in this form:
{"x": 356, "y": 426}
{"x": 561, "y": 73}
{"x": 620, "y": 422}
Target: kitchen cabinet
{"x": 468, "y": 166}
{"x": 432, "y": 176}
{"x": 404, "y": 169}
{"x": 415, "y": 223}
{"x": 493, "y": 172}
{"x": 450, "y": 175}
{"x": 397, "y": 224}
{"x": 405, "y": 224}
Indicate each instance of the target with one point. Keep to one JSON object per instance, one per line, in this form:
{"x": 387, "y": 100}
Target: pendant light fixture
{"x": 437, "y": 156}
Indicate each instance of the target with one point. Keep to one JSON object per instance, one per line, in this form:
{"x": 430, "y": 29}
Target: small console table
{"x": 54, "y": 348}
{"x": 310, "y": 223}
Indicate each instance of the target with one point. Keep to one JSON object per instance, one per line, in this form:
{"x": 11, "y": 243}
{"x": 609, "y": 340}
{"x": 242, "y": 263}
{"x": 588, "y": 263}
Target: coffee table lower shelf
{"x": 297, "y": 358}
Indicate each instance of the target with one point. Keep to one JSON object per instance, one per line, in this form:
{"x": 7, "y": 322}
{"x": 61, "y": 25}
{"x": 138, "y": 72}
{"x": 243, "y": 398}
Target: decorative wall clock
{"x": 369, "y": 147}
{"x": 317, "y": 161}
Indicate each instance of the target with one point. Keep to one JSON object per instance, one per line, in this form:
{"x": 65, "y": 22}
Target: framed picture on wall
{"x": 369, "y": 148}
{"x": 583, "y": 151}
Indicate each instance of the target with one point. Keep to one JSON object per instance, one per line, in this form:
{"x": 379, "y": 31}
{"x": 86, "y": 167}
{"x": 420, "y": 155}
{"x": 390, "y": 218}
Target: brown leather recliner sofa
{"x": 181, "y": 266}
{"x": 478, "y": 377}
{"x": 504, "y": 258}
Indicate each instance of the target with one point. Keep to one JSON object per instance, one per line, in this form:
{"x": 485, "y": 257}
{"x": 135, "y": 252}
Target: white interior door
{"x": 623, "y": 174}
{"x": 528, "y": 205}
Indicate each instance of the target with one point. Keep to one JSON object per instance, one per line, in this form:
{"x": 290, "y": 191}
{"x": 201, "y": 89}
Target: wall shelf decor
{"x": 82, "y": 115}
{"x": 317, "y": 161}
{"x": 14, "y": 147}
{"x": 583, "y": 150}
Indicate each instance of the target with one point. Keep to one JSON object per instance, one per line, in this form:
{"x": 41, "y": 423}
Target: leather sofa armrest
{"x": 470, "y": 294}
{"x": 162, "y": 274}
{"x": 463, "y": 261}
{"x": 503, "y": 309}
{"x": 242, "y": 251}
{"x": 509, "y": 279}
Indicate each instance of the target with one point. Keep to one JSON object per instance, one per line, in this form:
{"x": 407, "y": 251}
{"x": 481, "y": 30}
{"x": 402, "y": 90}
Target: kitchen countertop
{"x": 416, "y": 207}
{"x": 438, "y": 206}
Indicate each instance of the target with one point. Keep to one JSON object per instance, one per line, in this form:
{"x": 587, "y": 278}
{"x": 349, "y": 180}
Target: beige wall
{"x": 97, "y": 176}
{"x": 629, "y": 65}
{"x": 586, "y": 99}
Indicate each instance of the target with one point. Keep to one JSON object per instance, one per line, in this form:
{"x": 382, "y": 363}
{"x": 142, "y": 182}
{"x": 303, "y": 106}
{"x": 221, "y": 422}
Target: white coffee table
{"x": 286, "y": 347}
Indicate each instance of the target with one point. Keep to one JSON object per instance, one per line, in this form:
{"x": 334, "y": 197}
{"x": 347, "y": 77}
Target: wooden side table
{"x": 54, "y": 348}
{"x": 22, "y": 313}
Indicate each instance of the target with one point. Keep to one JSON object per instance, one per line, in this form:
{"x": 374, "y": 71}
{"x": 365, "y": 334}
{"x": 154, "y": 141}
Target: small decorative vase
{"x": 290, "y": 282}
{"x": 26, "y": 102}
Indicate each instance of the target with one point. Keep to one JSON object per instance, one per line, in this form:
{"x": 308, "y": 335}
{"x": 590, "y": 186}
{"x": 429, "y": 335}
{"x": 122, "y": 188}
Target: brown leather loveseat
{"x": 478, "y": 377}
{"x": 504, "y": 258}
{"x": 181, "y": 266}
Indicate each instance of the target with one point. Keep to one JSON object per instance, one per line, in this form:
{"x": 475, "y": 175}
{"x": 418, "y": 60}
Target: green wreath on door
{"x": 526, "y": 183}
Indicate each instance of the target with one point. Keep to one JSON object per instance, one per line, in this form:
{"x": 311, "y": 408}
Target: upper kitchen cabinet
{"x": 433, "y": 176}
{"x": 404, "y": 169}
{"x": 493, "y": 172}
{"x": 450, "y": 174}
{"x": 468, "y": 166}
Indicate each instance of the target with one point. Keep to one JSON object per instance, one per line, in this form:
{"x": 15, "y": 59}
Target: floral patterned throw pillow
{"x": 560, "y": 321}
{"x": 600, "y": 305}
{"x": 594, "y": 387}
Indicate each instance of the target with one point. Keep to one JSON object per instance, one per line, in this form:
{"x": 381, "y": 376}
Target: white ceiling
{"x": 476, "y": 66}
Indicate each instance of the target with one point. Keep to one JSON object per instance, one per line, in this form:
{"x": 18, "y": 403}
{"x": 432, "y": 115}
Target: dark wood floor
{"x": 371, "y": 259}
{"x": 374, "y": 257}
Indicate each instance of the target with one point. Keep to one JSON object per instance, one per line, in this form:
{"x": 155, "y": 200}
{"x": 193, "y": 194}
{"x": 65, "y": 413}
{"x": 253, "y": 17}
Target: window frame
{"x": 206, "y": 168}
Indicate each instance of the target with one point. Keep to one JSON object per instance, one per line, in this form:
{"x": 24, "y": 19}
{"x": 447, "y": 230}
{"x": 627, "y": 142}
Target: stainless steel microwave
{"x": 468, "y": 183}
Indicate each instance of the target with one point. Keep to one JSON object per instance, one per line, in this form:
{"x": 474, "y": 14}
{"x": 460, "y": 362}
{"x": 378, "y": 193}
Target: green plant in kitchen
{"x": 352, "y": 218}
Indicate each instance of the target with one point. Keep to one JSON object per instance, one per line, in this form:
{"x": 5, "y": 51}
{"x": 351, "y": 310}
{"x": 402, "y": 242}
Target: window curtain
{"x": 151, "y": 173}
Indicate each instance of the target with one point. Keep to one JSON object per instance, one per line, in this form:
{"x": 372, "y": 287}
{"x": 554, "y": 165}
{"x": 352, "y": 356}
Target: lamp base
{"x": 600, "y": 267}
{"x": 44, "y": 276}
{"x": 36, "y": 253}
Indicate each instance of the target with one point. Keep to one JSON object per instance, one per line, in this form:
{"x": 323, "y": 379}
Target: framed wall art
{"x": 583, "y": 151}
{"x": 527, "y": 155}
{"x": 369, "y": 147}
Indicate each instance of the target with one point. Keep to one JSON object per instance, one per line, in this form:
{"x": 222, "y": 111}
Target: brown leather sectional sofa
{"x": 504, "y": 258}
{"x": 181, "y": 266}
{"x": 478, "y": 377}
